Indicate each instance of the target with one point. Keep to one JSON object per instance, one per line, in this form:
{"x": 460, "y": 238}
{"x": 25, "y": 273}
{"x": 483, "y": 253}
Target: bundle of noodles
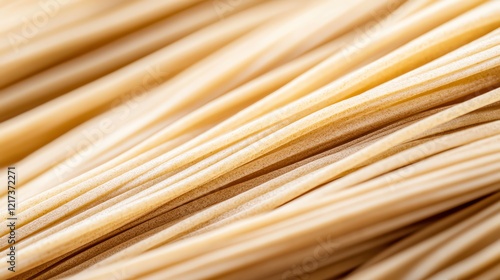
{"x": 251, "y": 139}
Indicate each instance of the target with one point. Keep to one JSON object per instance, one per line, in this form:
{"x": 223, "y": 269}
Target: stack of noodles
{"x": 251, "y": 139}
